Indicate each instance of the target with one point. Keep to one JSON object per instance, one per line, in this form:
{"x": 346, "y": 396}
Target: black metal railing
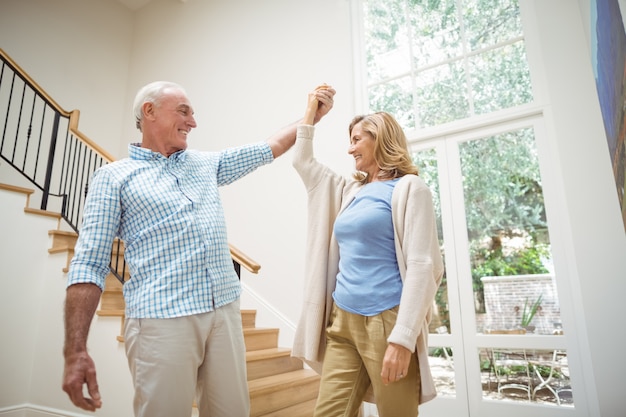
{"x": 41, "y": 142}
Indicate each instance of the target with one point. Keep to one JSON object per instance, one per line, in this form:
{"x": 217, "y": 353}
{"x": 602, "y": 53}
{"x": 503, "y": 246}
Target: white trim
{"x": 33, "y": 410}
{"x": 268, "y": 316}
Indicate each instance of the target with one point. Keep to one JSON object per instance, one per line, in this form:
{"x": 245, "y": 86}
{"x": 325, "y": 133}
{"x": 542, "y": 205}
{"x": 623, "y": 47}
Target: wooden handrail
{"x": 36, "y": 86}
{"x": 244, "y": 260}
{"x": 73, "y": 127}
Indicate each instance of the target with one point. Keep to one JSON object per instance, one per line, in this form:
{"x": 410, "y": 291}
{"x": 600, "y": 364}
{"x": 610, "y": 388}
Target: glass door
{"x": 496, "y": 342}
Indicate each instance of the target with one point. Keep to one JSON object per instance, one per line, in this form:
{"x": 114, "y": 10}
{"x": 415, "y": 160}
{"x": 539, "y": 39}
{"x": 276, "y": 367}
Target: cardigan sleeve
{"x": 419, "y": 259}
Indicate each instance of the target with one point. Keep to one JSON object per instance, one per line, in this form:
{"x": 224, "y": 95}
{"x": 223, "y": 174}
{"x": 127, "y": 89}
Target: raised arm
{"x": 283, "y": 140}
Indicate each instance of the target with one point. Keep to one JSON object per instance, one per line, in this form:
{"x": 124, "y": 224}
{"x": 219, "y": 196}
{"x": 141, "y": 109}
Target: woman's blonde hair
{"x": 391, "y": 151}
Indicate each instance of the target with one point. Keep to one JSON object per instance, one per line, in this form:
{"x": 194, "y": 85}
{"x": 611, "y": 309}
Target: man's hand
{"x": 80, "y": 369}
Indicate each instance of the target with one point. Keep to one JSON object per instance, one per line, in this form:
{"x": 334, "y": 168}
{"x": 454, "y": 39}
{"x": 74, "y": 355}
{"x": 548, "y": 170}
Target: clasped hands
{"x": 319, "y": 103}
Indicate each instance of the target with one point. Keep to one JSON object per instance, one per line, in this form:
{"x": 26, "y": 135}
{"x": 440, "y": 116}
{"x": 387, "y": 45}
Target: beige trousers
{"x": 353, "y": 360}
{"x": 201, "y": 357}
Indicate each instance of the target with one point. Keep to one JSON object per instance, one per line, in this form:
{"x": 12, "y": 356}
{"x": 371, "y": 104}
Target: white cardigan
{"x": 417, "y": 250}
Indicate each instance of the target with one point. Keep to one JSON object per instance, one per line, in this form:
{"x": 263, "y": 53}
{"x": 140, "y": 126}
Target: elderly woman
{"x": 373, "y": 268}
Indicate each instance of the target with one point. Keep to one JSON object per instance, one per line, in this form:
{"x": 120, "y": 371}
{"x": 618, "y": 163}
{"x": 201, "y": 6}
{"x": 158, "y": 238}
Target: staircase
{"x": 279, "y": 384}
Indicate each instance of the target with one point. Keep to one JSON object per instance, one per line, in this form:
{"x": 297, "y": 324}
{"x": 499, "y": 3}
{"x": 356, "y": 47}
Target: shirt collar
{"x": 135, "y": 151}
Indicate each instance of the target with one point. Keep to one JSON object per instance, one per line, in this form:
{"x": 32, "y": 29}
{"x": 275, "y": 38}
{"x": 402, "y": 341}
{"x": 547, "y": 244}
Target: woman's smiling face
{"x": 362, "y": 150}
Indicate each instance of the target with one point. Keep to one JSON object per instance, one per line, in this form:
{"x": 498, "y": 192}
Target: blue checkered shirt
{"x": 169, "y": 214}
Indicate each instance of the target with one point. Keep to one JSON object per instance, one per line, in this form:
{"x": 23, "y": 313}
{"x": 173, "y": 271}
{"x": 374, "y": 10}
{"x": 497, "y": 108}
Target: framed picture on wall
{"x": 608, "y": 43}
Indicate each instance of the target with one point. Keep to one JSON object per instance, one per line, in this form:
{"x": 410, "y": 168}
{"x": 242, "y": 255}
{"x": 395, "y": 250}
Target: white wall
{"x": 21, "y": 295}
{"x": 247, "y": 66}
{"x": 590, "y": 243}
{"x": 31, "y": 324}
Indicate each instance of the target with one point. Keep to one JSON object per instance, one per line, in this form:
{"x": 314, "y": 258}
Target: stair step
{"x": 43, "y": 213}
{"x": 303, "y": 409}
{"x": 248, "y": 318}
{"x": 274, "y": 393}
{"x": 15, "y": 188}
{"x": 111, "y": 313}
{"x": 112, "y": 300}
{"x": 267, "y": 362}
{"x": 63, "y": 239}
{"x": 258, "y": 338}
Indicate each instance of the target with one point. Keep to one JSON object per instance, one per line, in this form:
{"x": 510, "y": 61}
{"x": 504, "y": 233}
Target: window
{"x": 431, "y": 62}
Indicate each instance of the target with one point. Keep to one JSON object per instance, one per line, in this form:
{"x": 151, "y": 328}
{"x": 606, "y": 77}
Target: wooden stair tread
{"x": 259, "y": 330}
{"x": 261, "y": 354}
{"x": 42, "y": 212}
{"x": 266, "y": 385}
{"x": 61, "y": 249}
{"x": 303, "y": 409}
{"x": 282, "y": 391}
{"x": 15, "y": 188}
{"x": 110, "y": 313}
{"x": 56, "y": 232}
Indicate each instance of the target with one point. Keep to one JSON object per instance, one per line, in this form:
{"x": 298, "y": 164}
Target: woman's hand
{"x": 395, "y": 363}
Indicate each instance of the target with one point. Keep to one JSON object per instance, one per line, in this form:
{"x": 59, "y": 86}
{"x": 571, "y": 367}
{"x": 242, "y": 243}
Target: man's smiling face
{"x": 172, "y": 120}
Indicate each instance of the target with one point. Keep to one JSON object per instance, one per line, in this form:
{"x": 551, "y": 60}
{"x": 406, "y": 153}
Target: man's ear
{"x": 148, "y": 110}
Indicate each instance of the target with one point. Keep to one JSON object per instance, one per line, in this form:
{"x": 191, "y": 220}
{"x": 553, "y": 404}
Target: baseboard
{"x": 267, "y": 315}
{"x": 31, "y": 410}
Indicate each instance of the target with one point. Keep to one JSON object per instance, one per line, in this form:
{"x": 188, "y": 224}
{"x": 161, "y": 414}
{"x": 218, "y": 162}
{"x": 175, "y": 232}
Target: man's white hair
{"x": 151, "y": 93}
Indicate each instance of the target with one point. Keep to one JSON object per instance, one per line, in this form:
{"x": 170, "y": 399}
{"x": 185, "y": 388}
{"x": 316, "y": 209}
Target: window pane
{"x": 442, "y": 95}
{"x": 386, "y": 41}
{"x": 488, "y": 22}
{"x": 526, "y": 376}
{"x": 436, "y": 32}
{"x": 500, "y": 79}
{"x": 394, "y": 97}
{"x": 441, "y": 363}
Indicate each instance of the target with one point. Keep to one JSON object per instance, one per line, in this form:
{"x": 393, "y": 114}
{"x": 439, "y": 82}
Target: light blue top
{"x": 368, "y": 281}
{"x": 169, "y": 214}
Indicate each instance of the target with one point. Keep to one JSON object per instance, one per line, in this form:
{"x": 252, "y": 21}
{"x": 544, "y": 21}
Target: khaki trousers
{"x": 201, "y": 357}
{"x": 353, "y": 360}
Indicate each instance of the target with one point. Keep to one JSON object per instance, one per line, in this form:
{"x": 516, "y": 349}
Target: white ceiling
{"x": 137, "y": 4}
{"x": 134, "y": 4}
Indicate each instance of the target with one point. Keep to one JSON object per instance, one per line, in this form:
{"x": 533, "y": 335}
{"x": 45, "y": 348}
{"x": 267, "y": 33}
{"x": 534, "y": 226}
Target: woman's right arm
{"x": 310, "y": 170}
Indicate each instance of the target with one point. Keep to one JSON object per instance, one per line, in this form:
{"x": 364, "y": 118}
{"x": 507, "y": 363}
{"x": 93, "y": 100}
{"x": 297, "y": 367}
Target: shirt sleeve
{"x": 101, "y": 219}
{"x": 237, "y": 162}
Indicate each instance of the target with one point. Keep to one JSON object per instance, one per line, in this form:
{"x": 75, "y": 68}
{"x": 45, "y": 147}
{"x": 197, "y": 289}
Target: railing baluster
{"x": 39, "y": 142}
{"x": 53, "y": 144}
{"x": 19, "y": 123}
{"x": 6, "y": 120}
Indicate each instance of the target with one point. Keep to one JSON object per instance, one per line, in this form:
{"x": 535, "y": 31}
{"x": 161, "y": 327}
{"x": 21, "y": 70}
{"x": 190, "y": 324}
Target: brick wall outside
{"x": 505, "y": 297}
